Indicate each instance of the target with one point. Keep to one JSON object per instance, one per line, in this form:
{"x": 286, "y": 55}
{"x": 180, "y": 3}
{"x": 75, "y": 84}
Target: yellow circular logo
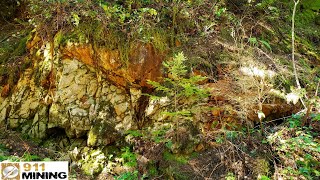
{"x": 10, "y": 172}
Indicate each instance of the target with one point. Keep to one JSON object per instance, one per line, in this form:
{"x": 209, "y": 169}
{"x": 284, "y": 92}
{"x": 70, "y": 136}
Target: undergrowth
{"x": 298, "y": 148}
{"x": 6, "y": 156}
{"x": 293, "y": 149}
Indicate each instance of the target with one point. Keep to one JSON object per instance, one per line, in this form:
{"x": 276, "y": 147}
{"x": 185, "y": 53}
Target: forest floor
{"x": 285, "y": 151}
{"x": 234, "y": 157}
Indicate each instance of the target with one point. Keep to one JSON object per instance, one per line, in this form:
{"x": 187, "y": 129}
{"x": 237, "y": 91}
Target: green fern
{"x": 184, "y": 91}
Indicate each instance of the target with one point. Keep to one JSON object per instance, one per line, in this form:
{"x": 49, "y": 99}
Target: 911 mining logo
{"x": 10, "y": 171}
{"x": 34, "y": 170}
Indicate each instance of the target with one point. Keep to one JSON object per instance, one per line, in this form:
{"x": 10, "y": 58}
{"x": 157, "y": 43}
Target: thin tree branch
{"x": 293, "y": 44}
{"x": 316, "y": 93}
{"x": 296, "y": 2}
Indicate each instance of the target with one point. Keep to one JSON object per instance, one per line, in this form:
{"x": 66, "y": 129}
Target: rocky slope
{"x": 70, "y": 89}
{"x": 76, "y": 87}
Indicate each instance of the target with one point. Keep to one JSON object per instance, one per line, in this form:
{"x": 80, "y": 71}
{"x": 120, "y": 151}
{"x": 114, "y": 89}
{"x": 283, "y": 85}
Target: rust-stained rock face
{"x": 83, "y": 53}
{"x": 80, "y": 100}
{"x": 77, "y": 88}
{"x": 143, "y": 63}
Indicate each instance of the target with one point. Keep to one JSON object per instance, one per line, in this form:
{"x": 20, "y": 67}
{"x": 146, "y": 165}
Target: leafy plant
{"x": 299, "y": 144}
{"x": 316, "y": 117}
{"x": 219, "y": 10}
{"x": 10, "y": 158}
{"x": 184, "y": 91}
{"x": 30, "y": 157}
{"x": 135, "y": 133}
{"x": 129, "y": 157}
{"x": 295, "y": 121}
{"x": 255, "y": 42}
{"x": 219, "y": 139}
{"x": 128, "y": 176}
{"x": 230, "y": 176}
{"x": 264, "y": 178}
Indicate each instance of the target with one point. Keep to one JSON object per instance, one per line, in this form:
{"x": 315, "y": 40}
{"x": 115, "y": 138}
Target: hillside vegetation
{"x": 162, "y": 89}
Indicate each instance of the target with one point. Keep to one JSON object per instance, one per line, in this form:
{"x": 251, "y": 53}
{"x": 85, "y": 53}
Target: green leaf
{"x": 253, "y": 41}
{"x": 264, "y": 141}
{"x": 47, "y": 159}
{"x": 75, "y": 19}
{"x": 264, "y": 178}
{"x": 134, "y": 133}
{"x": 169, "y": 144}
{"x": 266, "y": 44}
{"x": 316, "y": 118}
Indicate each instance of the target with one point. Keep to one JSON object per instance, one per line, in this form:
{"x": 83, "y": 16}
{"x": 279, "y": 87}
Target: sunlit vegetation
{"x": 238, "y": 96}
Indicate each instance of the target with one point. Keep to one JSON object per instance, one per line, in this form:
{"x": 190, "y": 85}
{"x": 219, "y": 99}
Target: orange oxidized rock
{"x": 143, "y": 64}
{"x": 5, "y": 91}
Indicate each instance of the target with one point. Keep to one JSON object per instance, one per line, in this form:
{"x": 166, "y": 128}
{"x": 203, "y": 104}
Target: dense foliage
{"x": 245, "y": 44}
{"x": 184, "y": 93}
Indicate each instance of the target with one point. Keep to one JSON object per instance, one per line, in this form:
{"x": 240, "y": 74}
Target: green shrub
{"x": 129, "y": 157}
{"x": 298, "y": 148}
{"x": 184, "y": 92}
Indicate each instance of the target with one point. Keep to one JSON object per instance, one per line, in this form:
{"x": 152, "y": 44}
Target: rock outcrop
{"x": 88, "y": 93}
